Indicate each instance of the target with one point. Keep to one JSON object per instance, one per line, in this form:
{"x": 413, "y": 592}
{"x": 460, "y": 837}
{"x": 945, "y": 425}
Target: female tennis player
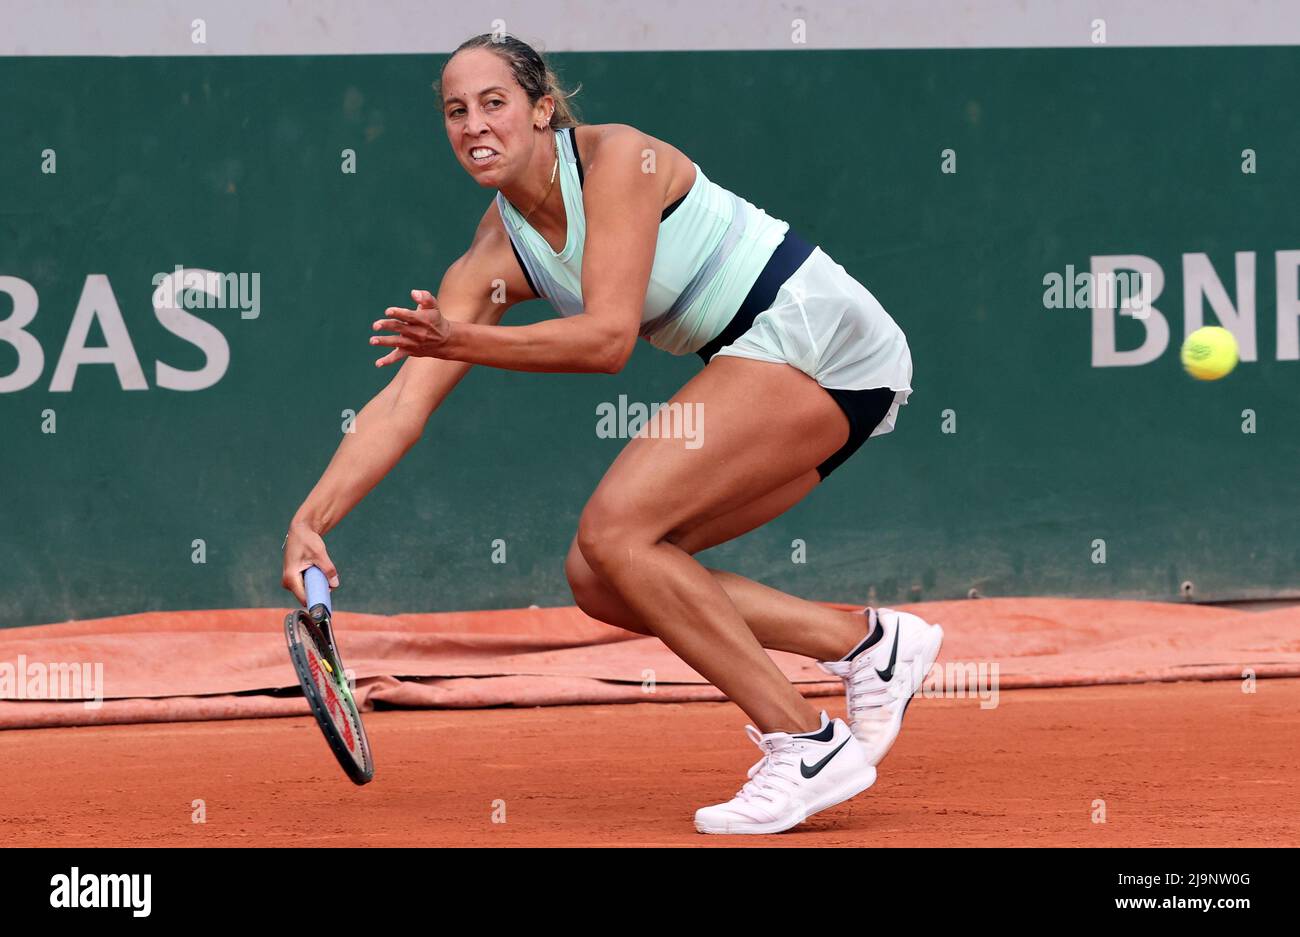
{"x": 626, "y": 237}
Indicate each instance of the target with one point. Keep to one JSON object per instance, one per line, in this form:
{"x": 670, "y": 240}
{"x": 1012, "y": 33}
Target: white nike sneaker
{"x": 797, "y": 776}
{"x": 881, "y": 680}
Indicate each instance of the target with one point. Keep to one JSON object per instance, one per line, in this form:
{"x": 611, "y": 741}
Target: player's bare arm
{"x": 477, "y": 288}
{"x": 623, "y": 201}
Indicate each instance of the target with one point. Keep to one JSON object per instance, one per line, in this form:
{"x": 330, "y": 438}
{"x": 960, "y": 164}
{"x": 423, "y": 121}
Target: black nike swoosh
{"x": 888, "y": 673}
{"x": 814, "y": 770}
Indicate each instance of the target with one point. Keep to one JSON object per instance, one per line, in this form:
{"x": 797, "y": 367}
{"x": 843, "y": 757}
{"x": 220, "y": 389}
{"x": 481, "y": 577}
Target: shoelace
{"x": 866, "y": 699}
{"x": 765, "y": 777}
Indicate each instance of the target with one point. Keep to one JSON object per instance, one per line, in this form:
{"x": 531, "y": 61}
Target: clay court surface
{"x": 1177, "y": 764}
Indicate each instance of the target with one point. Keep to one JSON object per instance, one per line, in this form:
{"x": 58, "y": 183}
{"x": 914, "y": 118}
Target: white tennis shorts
{"x": 829, "y": 326}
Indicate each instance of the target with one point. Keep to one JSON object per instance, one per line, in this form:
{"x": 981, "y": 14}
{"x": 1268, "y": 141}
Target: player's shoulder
{"x": 595, "y": 139}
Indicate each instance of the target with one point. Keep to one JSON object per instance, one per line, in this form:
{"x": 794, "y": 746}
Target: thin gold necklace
{"x": 549, "y": 186}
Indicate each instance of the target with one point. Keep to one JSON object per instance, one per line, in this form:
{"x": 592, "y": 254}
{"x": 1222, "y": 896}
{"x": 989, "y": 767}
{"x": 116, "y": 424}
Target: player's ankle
{"x": 861, "y": 640}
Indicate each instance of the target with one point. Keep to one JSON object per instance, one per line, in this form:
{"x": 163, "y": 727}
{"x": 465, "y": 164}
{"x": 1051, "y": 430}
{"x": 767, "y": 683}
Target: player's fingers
{"x": 394, "y": 356}
{"x": 387, "y": 325}
{"x": 326, "y": 566}
{"x": 424, "y": 298}
{"x": 392, "y": 341}
{"x": 322, "y": 562}
{"x": 397, "y": 312}
{"x": 294, "y": 584}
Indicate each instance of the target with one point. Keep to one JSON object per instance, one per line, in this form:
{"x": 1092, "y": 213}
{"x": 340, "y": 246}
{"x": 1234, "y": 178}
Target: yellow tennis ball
{"x": 1210, "y": 353}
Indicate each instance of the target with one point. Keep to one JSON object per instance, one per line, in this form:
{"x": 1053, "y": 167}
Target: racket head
{"x": 324, "y": 685}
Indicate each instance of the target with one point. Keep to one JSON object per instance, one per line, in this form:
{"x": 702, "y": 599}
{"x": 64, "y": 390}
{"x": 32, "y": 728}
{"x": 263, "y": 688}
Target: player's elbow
{"x": 615, "y": 359}
{"x": 611, "y": 350}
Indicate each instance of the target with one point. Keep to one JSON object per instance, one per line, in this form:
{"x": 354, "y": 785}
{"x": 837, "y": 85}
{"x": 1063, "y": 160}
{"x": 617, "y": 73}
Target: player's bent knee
{"x": 583, "y": 583}
{"x": 596, "y": 540}
{"x": 593, "y": 596}
{"x": 607, "y": 530}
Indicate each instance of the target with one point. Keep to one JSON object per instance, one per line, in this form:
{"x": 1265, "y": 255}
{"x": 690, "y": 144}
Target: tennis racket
{"x": 324, "y": 683}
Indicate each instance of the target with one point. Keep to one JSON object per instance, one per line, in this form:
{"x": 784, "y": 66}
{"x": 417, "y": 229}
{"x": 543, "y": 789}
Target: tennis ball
{"x": 1210, "y": 353}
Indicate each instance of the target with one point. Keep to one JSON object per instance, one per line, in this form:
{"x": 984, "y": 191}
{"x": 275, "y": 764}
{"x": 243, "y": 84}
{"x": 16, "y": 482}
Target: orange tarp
{"x": 229, "y": 664}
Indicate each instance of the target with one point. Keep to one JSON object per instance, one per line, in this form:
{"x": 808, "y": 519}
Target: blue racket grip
{"x": 318, "y": 589}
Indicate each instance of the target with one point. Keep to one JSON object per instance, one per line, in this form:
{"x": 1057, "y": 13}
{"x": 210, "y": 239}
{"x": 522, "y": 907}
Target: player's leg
{"x": 779, "y": 621}
{"x": 765, "y": 426}
{"x": 882, "y": 657}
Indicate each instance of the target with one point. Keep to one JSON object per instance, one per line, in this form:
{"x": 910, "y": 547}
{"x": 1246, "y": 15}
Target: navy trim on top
{"x": 673, "y": 207}
{"x": 785, "y": 260}
{"x": 523, "y": 267}
{"x": 573, "y": 140}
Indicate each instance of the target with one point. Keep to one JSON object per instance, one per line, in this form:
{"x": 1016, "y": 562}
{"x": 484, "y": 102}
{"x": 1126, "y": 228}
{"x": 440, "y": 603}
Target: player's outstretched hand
{"x": 420, "y": 332}
{"x": 303, "y": 548}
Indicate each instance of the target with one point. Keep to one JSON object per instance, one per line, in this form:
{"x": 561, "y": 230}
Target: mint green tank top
{"x": 712, "y": 246}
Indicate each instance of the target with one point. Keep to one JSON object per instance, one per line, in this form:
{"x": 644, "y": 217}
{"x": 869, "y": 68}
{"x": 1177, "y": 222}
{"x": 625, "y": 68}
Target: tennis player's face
{"x": 488, "y": 116}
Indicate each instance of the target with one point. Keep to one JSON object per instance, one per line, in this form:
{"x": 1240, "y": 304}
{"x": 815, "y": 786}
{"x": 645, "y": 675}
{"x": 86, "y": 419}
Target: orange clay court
{"x": 1178, "y": 723}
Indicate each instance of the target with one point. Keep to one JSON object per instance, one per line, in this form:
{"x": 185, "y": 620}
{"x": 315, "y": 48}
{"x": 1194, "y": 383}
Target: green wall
{"x": 233, "y": 164}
